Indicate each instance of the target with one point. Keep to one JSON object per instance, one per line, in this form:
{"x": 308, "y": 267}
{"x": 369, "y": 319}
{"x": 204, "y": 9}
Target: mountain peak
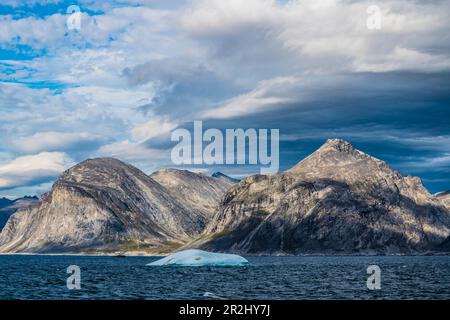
{"x": 339, "y": 145}
{"x": 102, "y": 162}
{"x": 337, "y": 159}
{"x": 100, "y": 171}
{"x": 332, "y": 152}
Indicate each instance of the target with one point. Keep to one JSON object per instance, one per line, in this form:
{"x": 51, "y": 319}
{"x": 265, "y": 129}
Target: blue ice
{"x": 196, "y": 258}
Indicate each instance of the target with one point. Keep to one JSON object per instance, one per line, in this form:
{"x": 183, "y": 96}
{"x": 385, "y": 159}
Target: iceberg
{"x": 198, "y": 258}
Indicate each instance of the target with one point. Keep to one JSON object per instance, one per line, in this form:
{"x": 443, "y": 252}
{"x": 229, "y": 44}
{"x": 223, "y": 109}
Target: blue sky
{"x": 138, "y": 69}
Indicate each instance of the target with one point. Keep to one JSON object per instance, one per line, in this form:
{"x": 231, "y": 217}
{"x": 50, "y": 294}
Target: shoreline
{"x": 143, "y": 254}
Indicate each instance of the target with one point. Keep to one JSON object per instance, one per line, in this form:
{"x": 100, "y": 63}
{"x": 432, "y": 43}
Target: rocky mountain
{"x": 5, "y": 202}
{"x": 224, "y": 177}
{"x": 105, "y": 205}
{"x": 444, "y": 197}
{"x": 338, "y": 200}
{"x": 197, "y": 192}
{"x": 8, "y": 207}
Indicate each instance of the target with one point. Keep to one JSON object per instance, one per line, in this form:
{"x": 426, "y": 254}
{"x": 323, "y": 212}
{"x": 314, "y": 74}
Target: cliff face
{"x": 196, "y": 191}
{"x": 104, "y": 205}
{"x": 338, "y": 200}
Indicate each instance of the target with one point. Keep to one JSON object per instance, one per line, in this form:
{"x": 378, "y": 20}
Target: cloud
{"x": 439, "y": 163}
{"x": 325, "y": 36}
{"x": 139, "y": 154}
{"x": 32, "y": 169}
{"x": 131, "y": 152}
{"x": 152, "y": 128}
{"x": 56, "y": 141}
{"x": 138, "y": 68}
{"x": 32, "y": 31}
{"x": 17, "y": 3}
{"x": 406, "y": 59}
{"x": 270, "y": 94}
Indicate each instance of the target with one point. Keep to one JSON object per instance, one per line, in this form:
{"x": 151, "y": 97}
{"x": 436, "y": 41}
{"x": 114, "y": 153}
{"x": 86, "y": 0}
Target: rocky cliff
{"x": 198, "y": 192}
{"x": 338, "y": 200}
{"x": 104, "y": 205}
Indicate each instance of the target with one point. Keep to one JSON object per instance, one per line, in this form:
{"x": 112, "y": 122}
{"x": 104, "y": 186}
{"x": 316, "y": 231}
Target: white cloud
{"x": 32, "y": 31}
{"x": 268, "y": 94}
{"x": 210, "y": 59}
{"x": 326, "y": 35}
{"x": 152, "y": 128}
{"x": 54, "y": 141}
{"x": 439, "y": 163}
{"x": 139, "y": 155}
{"x": 32, "y": 169}
{"x": 404, "y": 59}
{"x": 16, "y": 3}
{"x": 215, "y": 17}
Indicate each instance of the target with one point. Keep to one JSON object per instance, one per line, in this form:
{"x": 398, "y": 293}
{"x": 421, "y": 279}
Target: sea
{"x": 45, "y": 277}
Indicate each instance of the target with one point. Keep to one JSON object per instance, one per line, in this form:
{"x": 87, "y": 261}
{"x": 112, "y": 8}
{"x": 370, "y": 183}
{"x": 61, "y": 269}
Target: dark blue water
{"x": 44, "y": 277}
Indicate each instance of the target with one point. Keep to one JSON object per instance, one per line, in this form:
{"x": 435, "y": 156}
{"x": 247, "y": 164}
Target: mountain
{"x": 444, "y": 197}
{"x": 8, "y": 207}
{"x": 224, "y": 177}
{"x": 338, "y": 200}
{"x": 198, "y": 192}
{"x": 5, "y": 202}
{"x": 105, "y": 205}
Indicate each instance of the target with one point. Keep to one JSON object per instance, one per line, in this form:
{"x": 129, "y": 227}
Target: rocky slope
{"x": 338, "y": 200}
{"x": 104, "y": 205}
{"x": 444, "y": 197}
{"x": 197, "y": 192}
{"x": 8, "y": 207}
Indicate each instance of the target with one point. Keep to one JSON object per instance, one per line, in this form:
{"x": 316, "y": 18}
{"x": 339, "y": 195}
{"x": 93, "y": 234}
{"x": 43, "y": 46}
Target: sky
{"x": 135, "y": 70}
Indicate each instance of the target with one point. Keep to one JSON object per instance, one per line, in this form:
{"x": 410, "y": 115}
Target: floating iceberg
{"x": 197, "y": 258}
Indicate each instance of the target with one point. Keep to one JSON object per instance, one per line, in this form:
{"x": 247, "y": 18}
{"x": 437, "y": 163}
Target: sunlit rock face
{"x": 338, "y": 200}
{"x": 196, "y": 191}
{"x": 105, "y": 205}
{"x": 199, "y": 258}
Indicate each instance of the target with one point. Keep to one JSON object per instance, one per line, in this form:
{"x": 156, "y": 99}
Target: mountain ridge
{"x": 103, "y": 205}
{"x": 337, "y": 200}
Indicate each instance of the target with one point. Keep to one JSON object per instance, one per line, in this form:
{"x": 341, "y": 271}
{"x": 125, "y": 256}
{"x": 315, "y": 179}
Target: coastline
{"x": 144, "y": 254}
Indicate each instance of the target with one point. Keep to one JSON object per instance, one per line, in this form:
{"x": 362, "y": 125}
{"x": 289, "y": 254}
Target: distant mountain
{"x": 105, "y": 205}
{"x": 224, "y": 177}
{"x": 196, "y": 191}
{"x": 5, "y": 202}
{"x": 337, "y": 200}
{"x": 8, "y": 207}
{"x": 444, "y": 197}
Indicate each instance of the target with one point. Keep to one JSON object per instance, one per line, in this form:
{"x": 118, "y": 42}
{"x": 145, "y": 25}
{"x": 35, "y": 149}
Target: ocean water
{"x": 312, "y": 277}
